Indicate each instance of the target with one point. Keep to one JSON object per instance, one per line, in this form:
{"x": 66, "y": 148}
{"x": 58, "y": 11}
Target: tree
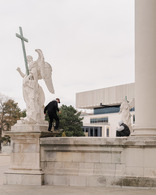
{"x": 70, "y": 121}
{"x": 9, "y": 114}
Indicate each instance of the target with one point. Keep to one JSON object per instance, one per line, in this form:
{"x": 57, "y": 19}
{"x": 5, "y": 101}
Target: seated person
{"x": 123, "y": 130}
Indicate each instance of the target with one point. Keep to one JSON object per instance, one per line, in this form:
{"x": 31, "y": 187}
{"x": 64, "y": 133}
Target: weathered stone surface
{"x": 25, "y": 166}
{"x": 82, "y": 161}
{"x": 99, "y": 161}
{"x": 24, "y": 178}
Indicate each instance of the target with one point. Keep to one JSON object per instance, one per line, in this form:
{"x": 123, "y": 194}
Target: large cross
{"x": 23, "y": 47}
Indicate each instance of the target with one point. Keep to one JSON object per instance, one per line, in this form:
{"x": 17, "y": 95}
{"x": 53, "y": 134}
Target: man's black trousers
{"x": 53, "y": 116}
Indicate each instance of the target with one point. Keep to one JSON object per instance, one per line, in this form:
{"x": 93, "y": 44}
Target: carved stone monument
{"x": 26, "y": 133}
{"x": 32, "y": 92}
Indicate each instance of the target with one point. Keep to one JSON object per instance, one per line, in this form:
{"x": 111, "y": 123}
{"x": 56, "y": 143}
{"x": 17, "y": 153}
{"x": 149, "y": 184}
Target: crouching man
{"x": 123, "y": 130}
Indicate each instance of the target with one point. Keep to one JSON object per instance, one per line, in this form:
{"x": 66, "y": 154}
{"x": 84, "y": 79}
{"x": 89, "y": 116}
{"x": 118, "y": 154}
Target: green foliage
{"x": 46, "y": 117}
{"x": 70, "y": 121}
{"x": 5, "y": 140}
{"x": 23, "y": 113}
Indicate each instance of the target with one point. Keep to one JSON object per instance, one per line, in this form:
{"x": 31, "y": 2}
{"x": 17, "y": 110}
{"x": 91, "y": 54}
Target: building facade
{"x": 105, "y": 104}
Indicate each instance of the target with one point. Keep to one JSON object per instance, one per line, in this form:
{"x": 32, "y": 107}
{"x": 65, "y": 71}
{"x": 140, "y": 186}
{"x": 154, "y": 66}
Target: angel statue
{"x": 125, "y": 112}
{"x": 32, "y": 92}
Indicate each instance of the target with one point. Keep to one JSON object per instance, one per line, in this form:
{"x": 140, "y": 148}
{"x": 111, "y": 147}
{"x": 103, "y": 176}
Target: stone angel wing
{"x": 45, "y": 71}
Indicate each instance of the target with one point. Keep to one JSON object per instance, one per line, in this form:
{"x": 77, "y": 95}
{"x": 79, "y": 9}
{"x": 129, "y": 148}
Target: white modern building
{"x": 105, "y": 104}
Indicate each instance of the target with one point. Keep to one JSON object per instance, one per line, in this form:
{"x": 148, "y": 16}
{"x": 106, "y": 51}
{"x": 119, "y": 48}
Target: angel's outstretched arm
{"x": 20, "y": 72}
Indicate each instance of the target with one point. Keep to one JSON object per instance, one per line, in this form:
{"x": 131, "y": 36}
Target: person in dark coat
{"x": 51, "y": 109}
{"x": 123, "y": 130}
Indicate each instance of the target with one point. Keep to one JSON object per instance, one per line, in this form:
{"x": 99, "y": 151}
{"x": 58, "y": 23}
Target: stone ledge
{"x": 41, "y": 134}
{"x": 94, "y": 141}
{"x": 83, "y": 141}
{"x": 29, "y": 127}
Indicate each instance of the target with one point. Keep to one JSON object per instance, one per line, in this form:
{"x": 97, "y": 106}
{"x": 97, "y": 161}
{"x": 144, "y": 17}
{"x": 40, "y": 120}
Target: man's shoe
{"x": 49, "y": 130}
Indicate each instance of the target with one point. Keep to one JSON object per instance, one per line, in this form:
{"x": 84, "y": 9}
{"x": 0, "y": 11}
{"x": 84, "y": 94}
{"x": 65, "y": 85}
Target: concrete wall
{"x": 99, "y": 161}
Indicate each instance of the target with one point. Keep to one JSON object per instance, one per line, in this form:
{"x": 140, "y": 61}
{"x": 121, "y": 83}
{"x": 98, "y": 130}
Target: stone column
{"x": 145, "y": 67}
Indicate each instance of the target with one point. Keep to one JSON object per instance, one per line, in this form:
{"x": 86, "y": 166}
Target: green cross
{"x": 23, "y": 47}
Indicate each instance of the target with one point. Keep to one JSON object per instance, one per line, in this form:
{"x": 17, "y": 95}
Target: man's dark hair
{"x": 58, "y": 99}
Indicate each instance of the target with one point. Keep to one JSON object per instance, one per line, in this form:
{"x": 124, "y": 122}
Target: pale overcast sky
{"x": 89, "y": 44}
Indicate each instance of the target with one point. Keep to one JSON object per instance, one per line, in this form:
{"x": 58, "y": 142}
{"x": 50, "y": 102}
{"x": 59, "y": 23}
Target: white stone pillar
{"x": 145, "y": 67}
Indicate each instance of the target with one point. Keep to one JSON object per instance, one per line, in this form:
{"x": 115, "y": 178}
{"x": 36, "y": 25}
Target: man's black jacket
{"x": 52, "y": 107}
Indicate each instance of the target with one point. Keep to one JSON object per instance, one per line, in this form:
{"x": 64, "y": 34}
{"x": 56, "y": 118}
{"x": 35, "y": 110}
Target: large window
{"x": 133, "y": 119}
{"x": 107, "y": 132}
{"x": 105, "y": 110}
{"x": 132, "y": 109}
{"x": 99, "y": 120}
{"x": 93, "y": 131}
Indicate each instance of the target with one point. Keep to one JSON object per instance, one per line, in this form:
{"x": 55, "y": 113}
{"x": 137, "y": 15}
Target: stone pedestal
{"x": 25, "y": 168}
{"x": 145, "y": 67}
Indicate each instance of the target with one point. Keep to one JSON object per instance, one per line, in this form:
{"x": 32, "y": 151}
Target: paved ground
{"x": 61, "y": 190}
{"x": 50, "y": 190}
{"x": 4, "y": 165}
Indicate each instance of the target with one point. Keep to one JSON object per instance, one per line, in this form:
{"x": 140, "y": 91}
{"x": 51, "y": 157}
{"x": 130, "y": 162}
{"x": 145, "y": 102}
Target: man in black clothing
{"x": 52, "y": 109}
{"x": 123, "y": 130}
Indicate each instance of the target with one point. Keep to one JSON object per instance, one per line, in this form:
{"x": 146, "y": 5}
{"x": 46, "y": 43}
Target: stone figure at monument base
{"x": 125, "y": 112}
{"x": 33, "y": 93}
{"x": 123, "y": 130}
